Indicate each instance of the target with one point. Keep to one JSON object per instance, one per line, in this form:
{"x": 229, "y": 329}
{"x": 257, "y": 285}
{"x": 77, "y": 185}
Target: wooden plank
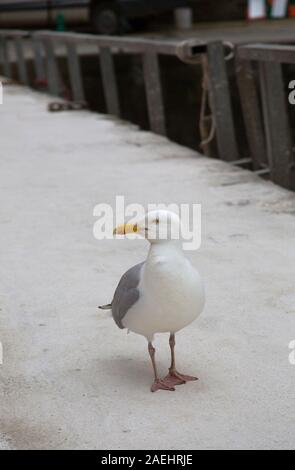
{"x": 251, "y": 112}
{"x": 54, "y": 82}
{"x": 109, "y": 81}
{"x": 276, "y": 122}
{"x": 153, "y": 91}
{"x": 183, "y": 48}
{"x": 21, "y": 64}
{"x": 268, "y": 53}
{"x": 75, "y": 73}
{"x": 221, "y": 103}
{"x": 38, "y": 60}
{"x": 5, "y": 57}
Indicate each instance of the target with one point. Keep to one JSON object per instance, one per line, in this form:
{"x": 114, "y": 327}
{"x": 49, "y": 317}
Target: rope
{"x": 206, "y": 136}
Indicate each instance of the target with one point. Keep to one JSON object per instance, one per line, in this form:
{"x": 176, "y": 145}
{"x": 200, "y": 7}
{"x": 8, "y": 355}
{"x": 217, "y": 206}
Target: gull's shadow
{"x": 134, "y": 371}
{"x": 137, "y": 373}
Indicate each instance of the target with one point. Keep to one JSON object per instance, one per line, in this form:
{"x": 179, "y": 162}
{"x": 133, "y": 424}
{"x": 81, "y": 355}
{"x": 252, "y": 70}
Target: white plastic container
{"x": 256, "y": 9}
{"x": 279, "y": 8}
{"x": 183, "y": 18}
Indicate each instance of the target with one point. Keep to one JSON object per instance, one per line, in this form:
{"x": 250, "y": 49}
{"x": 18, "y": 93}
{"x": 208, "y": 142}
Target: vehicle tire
{"x": 106, "y": 19}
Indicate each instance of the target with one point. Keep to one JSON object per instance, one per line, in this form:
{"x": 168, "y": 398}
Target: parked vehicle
{"x": 105, "y": 16}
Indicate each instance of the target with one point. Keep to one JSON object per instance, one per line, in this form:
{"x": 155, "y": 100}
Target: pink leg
{"x": 158, "y": 384}
{"x": 174, "y": 377}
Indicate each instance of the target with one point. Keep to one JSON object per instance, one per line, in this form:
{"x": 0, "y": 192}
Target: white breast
{"x": 171, "y": 295}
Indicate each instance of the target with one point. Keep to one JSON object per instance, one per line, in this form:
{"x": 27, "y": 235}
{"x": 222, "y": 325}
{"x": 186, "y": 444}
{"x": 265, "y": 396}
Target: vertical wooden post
{"x": 75, "y": 73}
{"x": 251, "y": 113}
{"x": 109, "y": 81}
{"x": 5, "y": 57}
{"x": 38, "y": 60}
{"x": 21, "y": 64}
{"x": 277, "y": 127}
{"x": 54, "y": 82}
{"x": 221, "y": 102}
{"x": 264, "y": 104}
{"x": 153, "y": 91}
{"x": 1, "y": 56}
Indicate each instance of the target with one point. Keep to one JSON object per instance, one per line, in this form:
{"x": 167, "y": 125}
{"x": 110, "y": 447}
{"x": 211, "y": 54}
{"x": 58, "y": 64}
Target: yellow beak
{"x": 125, "y": 228}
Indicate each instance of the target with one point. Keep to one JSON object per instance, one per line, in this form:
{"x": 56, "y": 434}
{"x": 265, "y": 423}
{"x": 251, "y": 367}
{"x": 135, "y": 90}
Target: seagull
{"x": 163, "y": 294}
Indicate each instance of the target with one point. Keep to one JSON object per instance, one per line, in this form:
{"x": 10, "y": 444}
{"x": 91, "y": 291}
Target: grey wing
{"x": 126, "y": 294}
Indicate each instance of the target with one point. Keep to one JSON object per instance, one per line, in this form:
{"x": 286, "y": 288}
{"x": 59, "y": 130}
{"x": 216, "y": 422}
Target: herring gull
{"x": 163, "y": 294}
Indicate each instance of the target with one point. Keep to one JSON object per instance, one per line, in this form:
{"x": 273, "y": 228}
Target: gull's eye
{"x": 157, "y": 221}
